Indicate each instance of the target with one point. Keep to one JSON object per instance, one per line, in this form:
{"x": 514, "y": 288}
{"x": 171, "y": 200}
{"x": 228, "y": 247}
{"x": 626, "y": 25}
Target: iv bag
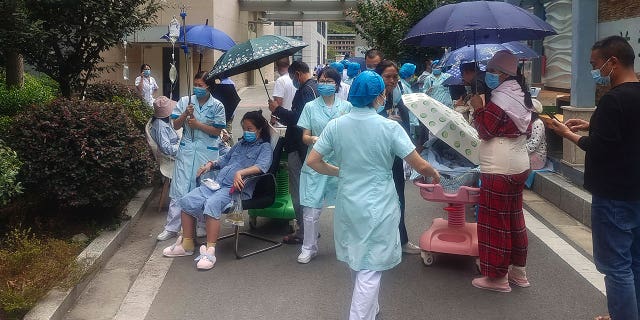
{"x": 125, "y": 72}
{"x": 173, "y": 73}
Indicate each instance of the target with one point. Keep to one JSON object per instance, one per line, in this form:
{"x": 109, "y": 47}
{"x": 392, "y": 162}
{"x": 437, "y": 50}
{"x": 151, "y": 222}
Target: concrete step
{"x": 564, "y": 194}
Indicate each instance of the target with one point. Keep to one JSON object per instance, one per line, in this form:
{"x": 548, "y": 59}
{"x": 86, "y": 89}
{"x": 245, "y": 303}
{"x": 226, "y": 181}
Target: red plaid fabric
{"x": 491, "y": 121}
{"x": 502, "y": 234}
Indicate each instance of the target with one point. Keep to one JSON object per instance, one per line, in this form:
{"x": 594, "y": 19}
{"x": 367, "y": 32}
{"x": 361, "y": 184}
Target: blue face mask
{"x": 200, "y": 92}
{"x": 325, "y": 89}
{"x": 598, "y": 78}
{"x": 146, "y": 72}
{"x": 437, "y": 72}
{"x": 249, "y": 136}
{"x": 492, "y": 80}
{"x": 296, "y": 83}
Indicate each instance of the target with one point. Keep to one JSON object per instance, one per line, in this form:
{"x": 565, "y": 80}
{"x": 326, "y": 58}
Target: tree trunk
{"x": 15, "y": 68}
{"x": 65, "y": 88}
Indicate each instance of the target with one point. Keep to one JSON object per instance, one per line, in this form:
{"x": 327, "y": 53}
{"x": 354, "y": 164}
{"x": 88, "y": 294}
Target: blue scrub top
{"x": 367, "y": 211}
{"x": 316, "y": 188}
{"x": 198, "y": 147}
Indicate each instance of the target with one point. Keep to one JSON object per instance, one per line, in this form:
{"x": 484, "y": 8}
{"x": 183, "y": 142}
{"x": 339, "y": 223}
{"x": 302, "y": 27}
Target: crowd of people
{"x": 329, "y": 117}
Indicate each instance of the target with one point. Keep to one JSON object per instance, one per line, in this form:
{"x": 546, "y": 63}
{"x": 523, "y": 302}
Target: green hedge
{"x": 9, "y": 168}
{"x": 81, "y": 153}
{"x": 36, "y": 90}
{"x": 111, "y": 91}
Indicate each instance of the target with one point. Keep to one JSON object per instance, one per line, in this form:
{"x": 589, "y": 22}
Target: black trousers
{"x": 398, "y": 180}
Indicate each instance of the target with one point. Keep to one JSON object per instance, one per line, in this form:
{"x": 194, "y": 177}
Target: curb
{"x": 57, "y": 302}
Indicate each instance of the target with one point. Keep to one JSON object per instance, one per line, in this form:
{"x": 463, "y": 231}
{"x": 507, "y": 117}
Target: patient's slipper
{"x": 206, "y": 259}
{"x": 176, "y": 250}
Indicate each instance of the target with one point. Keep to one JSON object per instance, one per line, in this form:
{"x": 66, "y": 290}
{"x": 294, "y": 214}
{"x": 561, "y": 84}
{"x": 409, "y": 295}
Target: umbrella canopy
{"x": 456, "y": 76}
{"x": 445, "y": 123}
{"x": 205, "y": 36}
{"x": 254, "y": 54}
{"x": 484, "y": 52}
{"x": 476, "y": 22}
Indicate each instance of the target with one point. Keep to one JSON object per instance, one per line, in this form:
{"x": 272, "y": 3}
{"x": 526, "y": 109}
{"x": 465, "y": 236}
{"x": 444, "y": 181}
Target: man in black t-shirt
{"x": 612, "y": 173}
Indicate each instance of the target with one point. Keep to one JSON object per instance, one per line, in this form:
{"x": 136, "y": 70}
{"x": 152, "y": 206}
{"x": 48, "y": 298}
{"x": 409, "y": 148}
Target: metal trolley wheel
{"x": 428, "y": 258}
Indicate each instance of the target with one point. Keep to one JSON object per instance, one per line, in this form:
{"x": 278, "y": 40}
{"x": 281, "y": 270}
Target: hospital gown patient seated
{"x": 252, "y": 155}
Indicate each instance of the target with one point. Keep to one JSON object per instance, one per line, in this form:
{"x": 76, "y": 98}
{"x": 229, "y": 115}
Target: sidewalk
{"x": 273, "y": 286}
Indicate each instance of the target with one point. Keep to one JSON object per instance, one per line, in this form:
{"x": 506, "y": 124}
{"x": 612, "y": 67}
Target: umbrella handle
{"x": 264, "y": 84}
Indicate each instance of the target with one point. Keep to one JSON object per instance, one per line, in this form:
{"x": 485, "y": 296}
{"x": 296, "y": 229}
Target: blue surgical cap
{"x": 353, "y": 68}
{"x": 435, "y": 63}
{"x": 337, "y": 65}
{"x": 407, "y": 70}
{"x": 365, "y": 88}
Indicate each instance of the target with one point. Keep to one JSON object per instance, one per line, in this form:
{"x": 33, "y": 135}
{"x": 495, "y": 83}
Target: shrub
{"x": 36, "y": 90}
{"x": 104, "y": 91}
{"x": 9, "y": 167}
{"x": 5, "y": 124}
{"x": 110, "y": 91}
{"x": 30, "y": 267}
{"x": 136, "y": 109}
{"x": 81, "y": 153}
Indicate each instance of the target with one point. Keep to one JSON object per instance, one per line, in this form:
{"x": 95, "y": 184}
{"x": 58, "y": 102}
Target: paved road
{"x": 273, "y": 285}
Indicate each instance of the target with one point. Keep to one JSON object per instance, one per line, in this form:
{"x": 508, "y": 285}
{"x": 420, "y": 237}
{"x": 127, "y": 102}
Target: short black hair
{"x": 200, "y": 75}
{"x": 144, "y": 65}
{"x": 385, "y": 64}
{"x": 616, "y": 46}
{"x": 282, "y": 63}
{"x": 333, "y": 74}
{"x": 372, "y": 53}
{"x": 298, "y": 66}
{"x": 468, "y": 66}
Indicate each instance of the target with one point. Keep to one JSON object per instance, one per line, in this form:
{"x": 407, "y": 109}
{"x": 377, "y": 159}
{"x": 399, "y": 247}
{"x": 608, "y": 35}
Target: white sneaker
{"x": 166, "y": 235}
{"x": 207, "y": 259}
{"x": 201, "y": 232}
{"x": 305, "y": 257}
{"x": 410, "y": 248}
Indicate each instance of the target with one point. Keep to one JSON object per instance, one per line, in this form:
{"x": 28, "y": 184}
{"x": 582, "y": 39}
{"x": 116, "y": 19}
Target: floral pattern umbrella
{"x": 253, "y": 54}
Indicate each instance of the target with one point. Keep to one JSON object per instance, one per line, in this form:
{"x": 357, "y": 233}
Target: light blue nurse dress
{"x": 433, "y": 87}
{"x": 196, "y": 150}
{"x": 367, "y": 211}
{"x": 315, "y": 187}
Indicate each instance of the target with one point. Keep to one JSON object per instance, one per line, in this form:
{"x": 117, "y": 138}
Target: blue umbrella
{"x": 477, "y": 22}
{"x": 206, "y": 36}
{"x": 456, "y": 77}
{"x": 484, "y": 52}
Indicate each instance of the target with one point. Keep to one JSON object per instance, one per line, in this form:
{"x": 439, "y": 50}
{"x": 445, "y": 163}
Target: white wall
{"x": 627, "y": 28}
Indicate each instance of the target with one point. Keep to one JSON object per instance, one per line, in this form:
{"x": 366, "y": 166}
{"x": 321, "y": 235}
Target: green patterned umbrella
{"x": 253, "y": 54}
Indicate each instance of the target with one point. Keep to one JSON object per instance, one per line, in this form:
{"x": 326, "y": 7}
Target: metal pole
{"x": 183, "y": 14}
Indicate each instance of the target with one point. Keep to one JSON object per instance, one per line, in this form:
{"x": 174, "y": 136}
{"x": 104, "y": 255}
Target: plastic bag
{"x": 236, "y": 216}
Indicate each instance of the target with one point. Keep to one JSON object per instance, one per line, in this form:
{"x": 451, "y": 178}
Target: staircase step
{"x": 564, "y": 194}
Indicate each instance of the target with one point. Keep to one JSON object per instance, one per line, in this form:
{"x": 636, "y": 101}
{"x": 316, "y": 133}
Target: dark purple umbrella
{"x": 475, "y": 22}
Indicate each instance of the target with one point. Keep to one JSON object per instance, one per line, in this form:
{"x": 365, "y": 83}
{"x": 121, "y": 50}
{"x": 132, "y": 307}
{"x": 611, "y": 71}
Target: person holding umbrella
{"x": 503, "y": 125}
{"x": 367, "y": 210}
{"x": 203, "y": 118}
{"x": 306, "y": 91}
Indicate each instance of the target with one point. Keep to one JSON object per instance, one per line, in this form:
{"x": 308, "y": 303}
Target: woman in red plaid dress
{"x": 503, "y": 125}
